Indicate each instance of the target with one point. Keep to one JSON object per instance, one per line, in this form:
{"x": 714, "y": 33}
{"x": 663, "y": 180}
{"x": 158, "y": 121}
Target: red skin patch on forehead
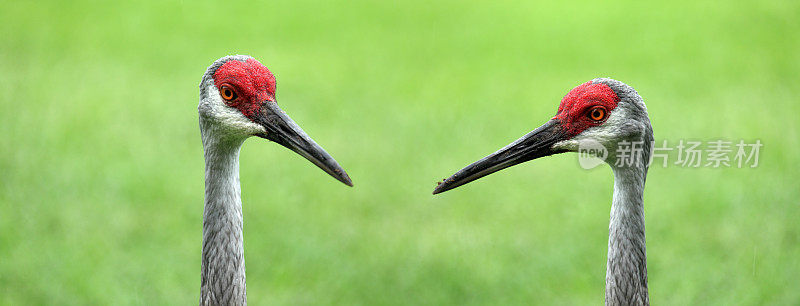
{"x": 251, "y": 80}
{"x": 575, "y": 106}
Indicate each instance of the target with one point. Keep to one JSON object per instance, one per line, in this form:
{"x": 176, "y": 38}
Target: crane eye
{"x": 227, "y": 92}
{"x": 597, "y": 114}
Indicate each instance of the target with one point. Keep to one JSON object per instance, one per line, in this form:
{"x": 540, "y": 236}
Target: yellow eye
{"x": 598, "y": 113}
{"x": 227, "y": 92}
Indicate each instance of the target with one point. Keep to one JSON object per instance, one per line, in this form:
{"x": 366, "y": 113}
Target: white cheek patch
{"x": 226, "y": 116}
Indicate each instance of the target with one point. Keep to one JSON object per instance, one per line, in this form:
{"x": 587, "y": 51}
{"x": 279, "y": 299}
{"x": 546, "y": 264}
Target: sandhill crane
{"x": 237, "y": 100}
{"x": 611, "y": 114}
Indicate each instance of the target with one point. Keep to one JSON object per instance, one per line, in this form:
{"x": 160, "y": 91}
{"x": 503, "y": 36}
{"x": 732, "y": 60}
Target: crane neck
{"x": 223, "y": 272}
{"x": 626, "y": 271}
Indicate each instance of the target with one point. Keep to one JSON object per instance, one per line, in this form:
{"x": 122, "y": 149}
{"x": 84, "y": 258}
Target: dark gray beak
{"x": 282, "y": 130}
{"x": 537, "y": 143}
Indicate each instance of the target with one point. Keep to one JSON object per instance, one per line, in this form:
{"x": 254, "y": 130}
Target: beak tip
{"x": 345, "y": 179}
{"x": 441, "y": 187}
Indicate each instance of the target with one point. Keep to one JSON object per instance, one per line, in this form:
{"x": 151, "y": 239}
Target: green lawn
{"x": 101, "y": 166}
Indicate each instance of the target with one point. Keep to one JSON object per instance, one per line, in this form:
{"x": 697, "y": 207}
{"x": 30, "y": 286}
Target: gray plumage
{"x": 626, "y": 127}
{"x": 626, "y": 271}
{"x": 222, "y": 263}
{"x": 223, "y": 274}
{"x": 224, "y": 128}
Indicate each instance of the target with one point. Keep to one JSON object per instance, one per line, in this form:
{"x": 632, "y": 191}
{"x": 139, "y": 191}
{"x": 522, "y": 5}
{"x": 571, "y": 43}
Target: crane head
{"x": 602, "y": 111}
{"x": 237, "y": 100}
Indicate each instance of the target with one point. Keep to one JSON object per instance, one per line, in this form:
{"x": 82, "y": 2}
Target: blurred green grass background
{"x": 101, "y": 168}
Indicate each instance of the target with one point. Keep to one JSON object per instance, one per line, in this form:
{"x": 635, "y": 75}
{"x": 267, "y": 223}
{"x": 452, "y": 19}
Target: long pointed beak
{"x": 282, "y": 130}
{"x": 537, "y": 143}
